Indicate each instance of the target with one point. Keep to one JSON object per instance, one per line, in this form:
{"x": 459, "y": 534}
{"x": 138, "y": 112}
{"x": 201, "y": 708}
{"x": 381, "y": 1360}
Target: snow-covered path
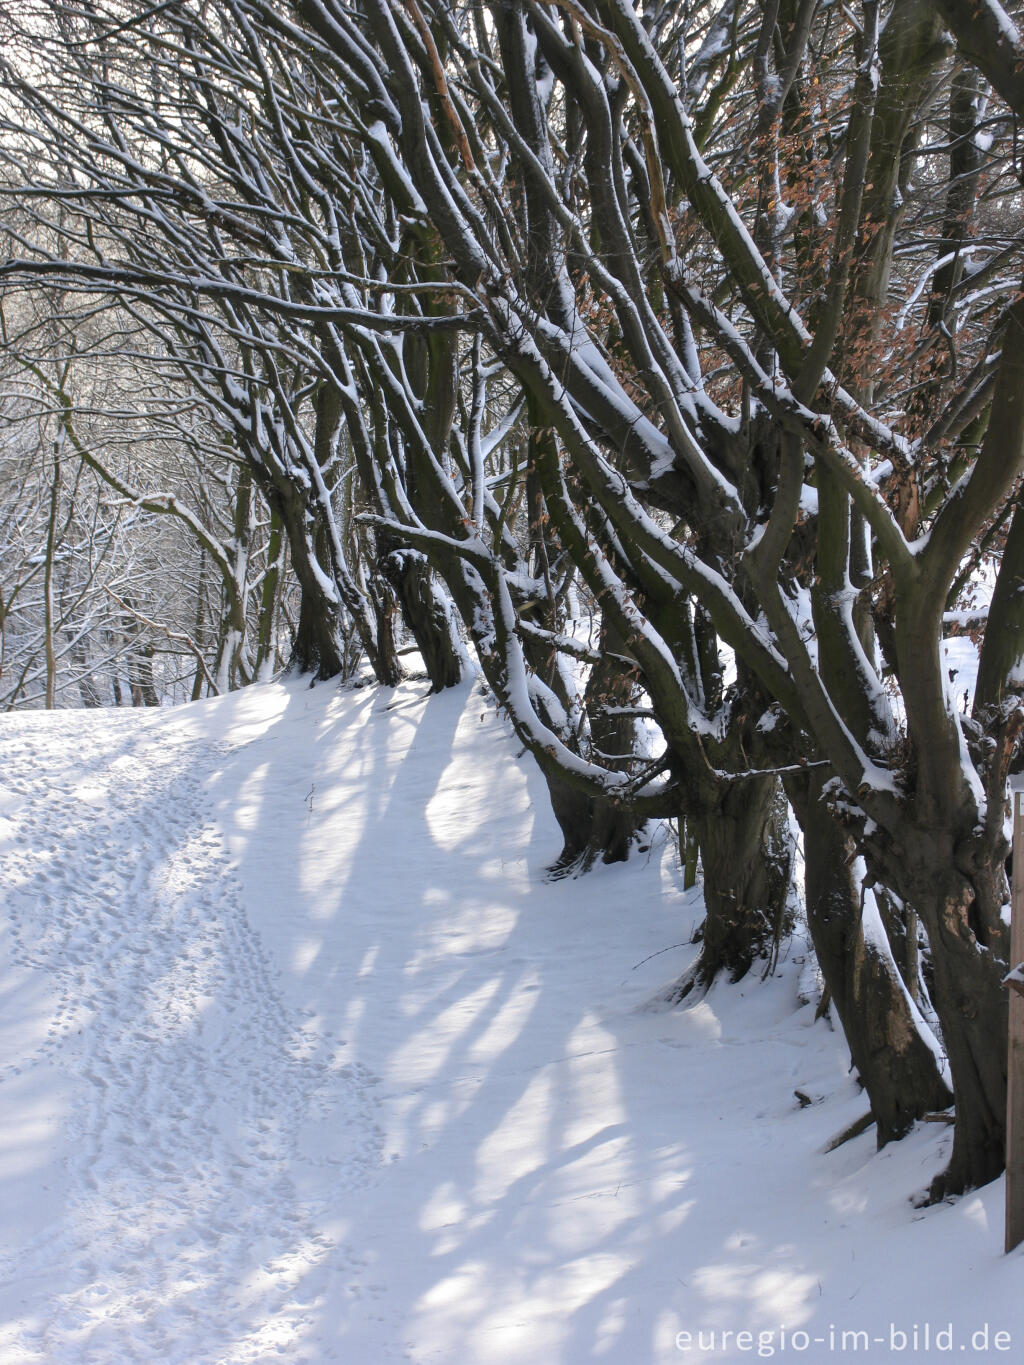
{"x": 187, "y": 1079}
{"x": 301, "y": 1059}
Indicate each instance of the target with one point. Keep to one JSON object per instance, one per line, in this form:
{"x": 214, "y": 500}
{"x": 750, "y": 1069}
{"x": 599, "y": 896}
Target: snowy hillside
{"x": 303, "y": 1060}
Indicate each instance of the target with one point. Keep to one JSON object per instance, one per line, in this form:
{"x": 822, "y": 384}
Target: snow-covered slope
{"x": 303, "y": 1060}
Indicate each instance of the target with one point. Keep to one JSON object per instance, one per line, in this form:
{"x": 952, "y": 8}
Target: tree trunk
{"x": 49, "y": 624}
{"x": 87, "y": 689}
{"x": 388, "y": 667}
{"x": 574, "y": 811}
{"x": 895, "y": 1063}
{"x": 999, "y": 670}
{"x": 901, "y": 924}
{"x": 265, "y": 630}
{"x": 592, "y": 827}
{"x": 973, "y": 1016}
{"x": 197, "y": 629}
{"x": 227, "y": 667}
{"x": 689, "y": 852}
{"x": 140, "y": 676}
{"x": 746, "y": 852}
{"x": 425, "y": 612}
{"x": 318, "y": 647}
{"x": 611, "y": 691}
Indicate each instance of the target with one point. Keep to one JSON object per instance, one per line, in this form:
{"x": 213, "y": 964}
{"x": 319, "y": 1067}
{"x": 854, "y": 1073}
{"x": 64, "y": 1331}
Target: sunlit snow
{"x": 303, "y": 1059}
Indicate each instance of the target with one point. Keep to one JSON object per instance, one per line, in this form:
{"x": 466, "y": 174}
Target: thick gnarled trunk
{"x": 895, "y": 1062}
{"x": 972, "y": 1012}
{"x": 746, "y": 852}
{"x": 427, "y": 616}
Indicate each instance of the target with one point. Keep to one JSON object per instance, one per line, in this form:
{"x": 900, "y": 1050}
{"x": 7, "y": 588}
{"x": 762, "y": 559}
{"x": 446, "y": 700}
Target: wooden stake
{"x": 1015, "y": 1056}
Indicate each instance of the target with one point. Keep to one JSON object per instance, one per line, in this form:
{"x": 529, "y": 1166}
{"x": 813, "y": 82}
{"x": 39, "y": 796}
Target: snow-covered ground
{"x": 303, "y": 1060}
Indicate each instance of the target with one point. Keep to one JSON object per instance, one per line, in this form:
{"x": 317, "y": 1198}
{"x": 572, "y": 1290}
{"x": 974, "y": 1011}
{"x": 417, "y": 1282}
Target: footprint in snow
{"x": 195, "y": 1089}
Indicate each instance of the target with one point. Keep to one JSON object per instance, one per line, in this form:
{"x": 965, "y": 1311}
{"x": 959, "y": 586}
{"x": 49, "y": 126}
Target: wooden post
{"x": 1015, "y": 1056}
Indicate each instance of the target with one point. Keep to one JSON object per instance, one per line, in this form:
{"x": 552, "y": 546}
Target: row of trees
{"x": 698, "y": 323}
{"x": 138, "y": 563}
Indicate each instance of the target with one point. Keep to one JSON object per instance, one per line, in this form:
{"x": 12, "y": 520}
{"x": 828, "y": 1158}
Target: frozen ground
{"x": 302, "y": 1060}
